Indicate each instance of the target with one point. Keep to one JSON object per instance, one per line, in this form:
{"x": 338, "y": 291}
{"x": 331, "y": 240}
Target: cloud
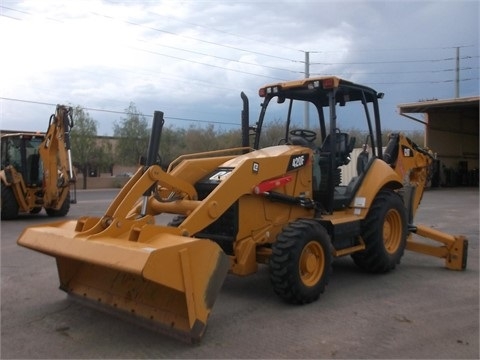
{"x": 192, "y": 59}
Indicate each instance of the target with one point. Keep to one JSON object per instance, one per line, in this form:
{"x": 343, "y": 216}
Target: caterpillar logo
{"x": 407, "y": 152}
{"x": 297, "y": 161}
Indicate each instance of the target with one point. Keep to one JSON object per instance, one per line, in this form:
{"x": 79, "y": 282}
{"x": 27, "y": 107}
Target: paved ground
{"x": 420, "y": 310}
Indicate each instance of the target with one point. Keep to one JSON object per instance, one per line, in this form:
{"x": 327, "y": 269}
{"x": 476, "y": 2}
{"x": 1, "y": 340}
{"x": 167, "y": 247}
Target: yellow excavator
{"x": 36, "y": 169}
{"x": 283, "y": 205}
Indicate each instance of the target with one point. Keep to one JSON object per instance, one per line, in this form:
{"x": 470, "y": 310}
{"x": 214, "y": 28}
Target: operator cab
{"x": 282, "y": 120}
{"x": 21, "y": 152}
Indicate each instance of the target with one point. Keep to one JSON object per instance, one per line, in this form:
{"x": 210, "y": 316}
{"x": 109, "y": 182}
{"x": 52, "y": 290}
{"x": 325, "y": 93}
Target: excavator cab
{"x": 22, "y": 152}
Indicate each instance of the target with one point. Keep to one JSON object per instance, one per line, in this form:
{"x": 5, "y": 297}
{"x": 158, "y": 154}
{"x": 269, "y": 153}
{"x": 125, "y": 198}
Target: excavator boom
{"x": 413, "y": 164}
{"x": 56, "y": 156}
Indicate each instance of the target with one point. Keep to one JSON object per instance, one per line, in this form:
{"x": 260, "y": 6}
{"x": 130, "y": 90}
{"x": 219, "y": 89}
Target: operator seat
{"x": 343, "y": 148}
{"x": 341, "y": 157}
{"x": 33, "y": 169}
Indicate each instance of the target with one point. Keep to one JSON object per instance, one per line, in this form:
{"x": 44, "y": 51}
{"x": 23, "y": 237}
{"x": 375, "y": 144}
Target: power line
{"x": 154, "y": 28}
{"x": 203, "y": 54}
{"x": 23, "y": 12}
{"x": 223, "y": 58}
{"x": 202, "y": 63}
{"x": 121, "y": 112}
{"x": 394, "y": 72}
{"x": 10, "y": 17}
{"x": 263, "y": 54}
{"x": 390, "y": 62}
{"x": 224, "y": 32}
{"x": 9, "y": 8}
{"x": 391, "y": 49}
{"x": 191, "y": 38}
{"x": 420, "y": 82}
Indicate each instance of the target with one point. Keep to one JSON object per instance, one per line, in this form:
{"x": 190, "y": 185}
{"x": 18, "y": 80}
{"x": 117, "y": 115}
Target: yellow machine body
{"x": 37, "y": 169}
{"x": 235, "y": 209}
{"x": 160, "y": 273}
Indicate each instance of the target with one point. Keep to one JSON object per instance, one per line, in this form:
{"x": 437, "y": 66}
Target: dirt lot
{"x": 420, "y": 310}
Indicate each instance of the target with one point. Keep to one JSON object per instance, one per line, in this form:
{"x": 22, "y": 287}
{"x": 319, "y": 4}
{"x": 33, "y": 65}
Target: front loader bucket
{"x": 168, "y": 281}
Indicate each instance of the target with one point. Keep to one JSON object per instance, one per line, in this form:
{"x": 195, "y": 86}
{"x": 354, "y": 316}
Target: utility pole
{"x": 306, "y": 119}
{"x": 457, "y": 73}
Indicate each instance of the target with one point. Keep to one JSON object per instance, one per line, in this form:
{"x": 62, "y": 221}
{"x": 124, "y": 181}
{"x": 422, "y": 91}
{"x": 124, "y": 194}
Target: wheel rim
{"x": 312, "y": 263}
{"x": 392, "y": 231}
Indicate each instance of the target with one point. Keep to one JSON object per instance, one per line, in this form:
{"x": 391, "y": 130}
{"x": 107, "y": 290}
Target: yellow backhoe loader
{"x": 280, "y": 204}
{"x": 36, "y": 169}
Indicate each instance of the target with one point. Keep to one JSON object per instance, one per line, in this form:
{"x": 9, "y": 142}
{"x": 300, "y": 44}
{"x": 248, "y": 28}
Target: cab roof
{"x": 309, "y": 88}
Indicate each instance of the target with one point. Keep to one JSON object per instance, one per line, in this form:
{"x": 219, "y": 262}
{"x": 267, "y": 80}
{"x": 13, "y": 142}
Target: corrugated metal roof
{"x": 439, "y": 105}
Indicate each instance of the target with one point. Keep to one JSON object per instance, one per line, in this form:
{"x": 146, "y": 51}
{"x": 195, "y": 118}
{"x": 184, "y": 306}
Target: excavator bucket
{"x": 168, "y": 282}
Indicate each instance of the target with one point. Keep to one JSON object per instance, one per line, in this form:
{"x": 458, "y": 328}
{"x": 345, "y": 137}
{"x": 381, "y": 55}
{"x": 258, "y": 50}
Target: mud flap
{"x": 167, "y": 282}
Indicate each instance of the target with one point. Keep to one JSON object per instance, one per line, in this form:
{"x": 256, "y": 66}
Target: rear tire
{"x": 301, "y": 262}
{"x": 36, "y": 210}
{"x": 63, "y": 209}
{"x": 385, "y": 234}
{"x": 9, "y": 203}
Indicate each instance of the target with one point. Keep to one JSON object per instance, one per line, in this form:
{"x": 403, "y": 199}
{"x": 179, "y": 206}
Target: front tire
{"x": 301, "y": 262}
{"x": 385, "y": 234}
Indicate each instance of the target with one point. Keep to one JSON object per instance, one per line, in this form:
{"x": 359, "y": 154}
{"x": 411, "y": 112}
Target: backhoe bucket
{"x": 168, "y": 282}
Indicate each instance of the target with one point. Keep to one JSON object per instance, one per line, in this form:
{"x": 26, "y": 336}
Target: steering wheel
{"x": 308, "y": 135}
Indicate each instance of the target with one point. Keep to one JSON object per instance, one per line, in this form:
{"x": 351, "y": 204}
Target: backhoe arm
{"x": 413, "y": 164}
{"x": 56, "y": 157}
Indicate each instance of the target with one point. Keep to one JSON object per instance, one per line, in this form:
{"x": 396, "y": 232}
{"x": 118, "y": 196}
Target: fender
{"x": 378, "y": 176}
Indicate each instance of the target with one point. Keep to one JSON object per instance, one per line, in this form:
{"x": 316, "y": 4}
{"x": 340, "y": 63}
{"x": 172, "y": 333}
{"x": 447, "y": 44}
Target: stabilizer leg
{"x": 454, "y": 249}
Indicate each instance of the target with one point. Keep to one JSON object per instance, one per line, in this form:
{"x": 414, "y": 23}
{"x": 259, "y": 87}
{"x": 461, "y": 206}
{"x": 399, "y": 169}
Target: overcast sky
{"x": 192, "y": 58}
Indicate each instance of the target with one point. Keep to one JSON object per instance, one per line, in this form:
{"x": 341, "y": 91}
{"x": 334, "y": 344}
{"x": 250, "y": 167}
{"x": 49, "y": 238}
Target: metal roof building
{"x": 451, "y": 130}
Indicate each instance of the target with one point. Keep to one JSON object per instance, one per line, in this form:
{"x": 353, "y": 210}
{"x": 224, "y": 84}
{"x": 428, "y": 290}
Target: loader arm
{"x": 124, "y": 262}
{"x": 413, "y": 164}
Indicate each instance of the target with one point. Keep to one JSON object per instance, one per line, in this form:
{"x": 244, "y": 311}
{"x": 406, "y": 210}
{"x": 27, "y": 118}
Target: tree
{"x": 172, "y": 145}
{"x": 273, "y": 133}
{"x": 106, "y": 156}
{"x": 230, "y": 139}
{"x": 83, "y": 141}
{"x": 133, "y": 134}
{"x": 199, "y": 139}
